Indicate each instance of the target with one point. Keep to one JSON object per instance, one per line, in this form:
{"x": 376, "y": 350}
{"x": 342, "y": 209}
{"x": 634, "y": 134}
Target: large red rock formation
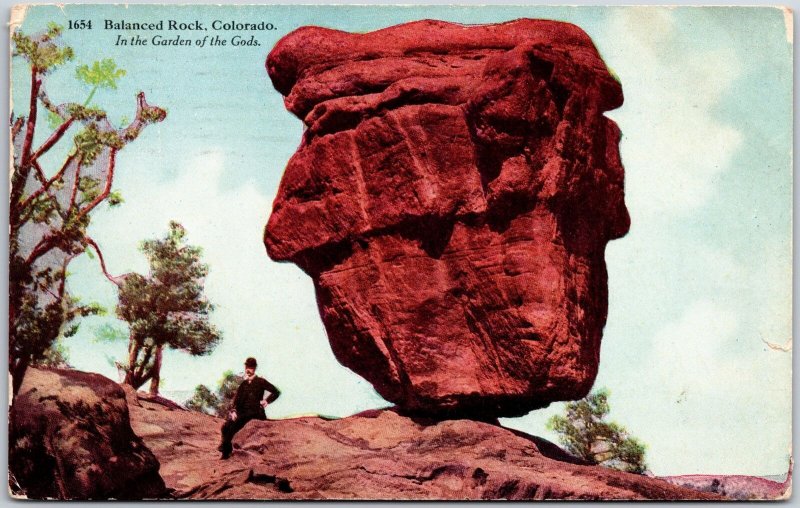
{"x": 452, "y": 198}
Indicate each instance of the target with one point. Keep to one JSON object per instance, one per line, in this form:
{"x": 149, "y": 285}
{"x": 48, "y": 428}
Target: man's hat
{"x": 251, "y": 362}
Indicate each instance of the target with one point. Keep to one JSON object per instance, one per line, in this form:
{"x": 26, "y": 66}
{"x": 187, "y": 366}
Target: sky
{"x": 698, "y": 289}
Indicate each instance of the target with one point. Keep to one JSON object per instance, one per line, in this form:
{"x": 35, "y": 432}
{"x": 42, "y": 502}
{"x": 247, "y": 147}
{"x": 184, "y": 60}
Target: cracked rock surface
{"x": 452, "y": 198}
{"x": 374, "y": 455}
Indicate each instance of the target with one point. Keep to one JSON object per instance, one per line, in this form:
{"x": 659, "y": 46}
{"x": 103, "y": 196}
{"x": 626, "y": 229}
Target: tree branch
{"x": 139, "y": 373}
{"x": 53, "y": 139}
{"x": 17, "y": 126}
{"x": 106, "y": 191}
{"x": 43, "y": 180}
{"x": 48, "y": 104}
{"x": 62, "y": 285}
{"x": 115, "y": 280}
{"x": 146, "y": 377}
{"x": 36, "y": 83}
{"x": 44, "y": 188}
{"x": 44, "y": 245}
{"x": 21, "y": 172}
{"x": 75, "y": 184}
{"x": 39, "y": 173}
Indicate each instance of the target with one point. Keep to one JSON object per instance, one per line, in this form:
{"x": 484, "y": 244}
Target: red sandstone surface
{"x": 81, "y": 436}
{"x": 376, "y": 455}
{"x": 70, "y": 437}
{"x": 738, "y": 487}
{"x": 452, "y": 198}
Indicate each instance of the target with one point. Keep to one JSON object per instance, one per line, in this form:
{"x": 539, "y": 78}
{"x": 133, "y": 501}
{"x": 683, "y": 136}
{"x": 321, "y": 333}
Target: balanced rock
{"x": 452, "y": 198}
{"x": 70, "y": 437}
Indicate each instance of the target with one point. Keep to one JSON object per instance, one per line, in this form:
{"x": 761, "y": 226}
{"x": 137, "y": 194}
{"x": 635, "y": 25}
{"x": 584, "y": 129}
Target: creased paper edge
{"x": 788, "y": 21}
{"x": 18, "y": 13}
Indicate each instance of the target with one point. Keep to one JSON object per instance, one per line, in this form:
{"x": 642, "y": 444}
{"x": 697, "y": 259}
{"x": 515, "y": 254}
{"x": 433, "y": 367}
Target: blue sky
{"x": 698, "y": 287}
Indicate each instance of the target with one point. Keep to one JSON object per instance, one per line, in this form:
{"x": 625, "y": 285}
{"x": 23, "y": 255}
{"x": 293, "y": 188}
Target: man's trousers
{"x": 231, "y": 427}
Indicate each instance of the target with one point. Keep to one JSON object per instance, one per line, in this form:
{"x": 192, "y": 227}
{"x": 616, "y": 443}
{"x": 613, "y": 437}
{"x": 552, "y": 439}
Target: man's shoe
{"x": 225, "y": 455}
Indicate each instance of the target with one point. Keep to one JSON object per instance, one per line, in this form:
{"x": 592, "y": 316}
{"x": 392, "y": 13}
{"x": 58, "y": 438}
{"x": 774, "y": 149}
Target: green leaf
{"x": 102, "y": 74}
{"x": 93, "y": 309}
{"x": 41, "y": 50}
{"x": 110, "y": 333}
{"x": 115, "y": 198}
{"x": 53, "y": 120}
{"x": 72, "y": 330}
{"x": 54, "y": 29}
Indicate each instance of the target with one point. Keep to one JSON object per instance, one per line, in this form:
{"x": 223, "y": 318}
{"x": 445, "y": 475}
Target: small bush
{"x": 584, "y": 433}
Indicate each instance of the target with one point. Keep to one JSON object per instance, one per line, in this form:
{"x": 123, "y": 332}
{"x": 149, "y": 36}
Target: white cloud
{"x": 705, "y": 386}
{"x": 264, "y": 309}
{"x": 688, "y": 354}
{"x": 673, "y": 148}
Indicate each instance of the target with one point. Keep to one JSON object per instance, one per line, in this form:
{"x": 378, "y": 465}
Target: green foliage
{"x": 71, "y": 330}
{"x": 42, "y": 51}
{"x": 54, "y": 121}
{"x": 102, "y": 74}
{"x": 92, "y": 309}
{"x": 219, "y": 403}
{"x": 167, "y": 307}
{"x": 82, "y": 112}
{"x": 152, "y": 115}
{"x": 90, "y": 141}
{"x": 110, "y": 333}
{"x": 57, "y": 355}
{"x": 203, "y": 400}
{"x": 39, "y": 321}
{"x": 584, "y": 433}
{"x": 226, "y": 390}
{"x": 115, "y": 198}
{"x": 43, "y": 209}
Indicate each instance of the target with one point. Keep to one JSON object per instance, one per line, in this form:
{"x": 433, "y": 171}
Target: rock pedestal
{"x": 452, "y": 198}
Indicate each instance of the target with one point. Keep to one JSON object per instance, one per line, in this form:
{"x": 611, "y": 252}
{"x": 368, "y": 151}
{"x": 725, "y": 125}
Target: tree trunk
{"x": 130, "y": 374}
{"x": 17, "y": 374}
{"x": 132, "y": 380}
{"x": 156, "y": 371}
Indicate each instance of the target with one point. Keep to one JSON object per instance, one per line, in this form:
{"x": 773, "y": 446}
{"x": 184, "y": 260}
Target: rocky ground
{"x": 75, "y": 435}
{"x": 738, "y": 487}
{"x": 373, "y": 455}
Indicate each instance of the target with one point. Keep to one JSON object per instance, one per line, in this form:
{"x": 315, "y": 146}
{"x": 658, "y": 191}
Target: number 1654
{"x": 79, "y": 24}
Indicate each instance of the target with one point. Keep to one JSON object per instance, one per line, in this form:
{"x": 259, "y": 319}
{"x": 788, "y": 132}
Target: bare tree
{"x": 50, "y": 209}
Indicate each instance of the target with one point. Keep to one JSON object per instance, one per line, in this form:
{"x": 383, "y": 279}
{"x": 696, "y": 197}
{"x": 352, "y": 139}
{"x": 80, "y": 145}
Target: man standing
{"x": 248, "y": 404}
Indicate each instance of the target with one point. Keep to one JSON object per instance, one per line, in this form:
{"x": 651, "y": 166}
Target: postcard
{"x": 429, "y": 252}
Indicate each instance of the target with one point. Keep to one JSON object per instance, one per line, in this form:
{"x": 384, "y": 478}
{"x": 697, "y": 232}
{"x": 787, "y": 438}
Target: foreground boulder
{"x": 375, "y": 455}
{"x": 452, "y": 198}
{"x": 70, "y": 438}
